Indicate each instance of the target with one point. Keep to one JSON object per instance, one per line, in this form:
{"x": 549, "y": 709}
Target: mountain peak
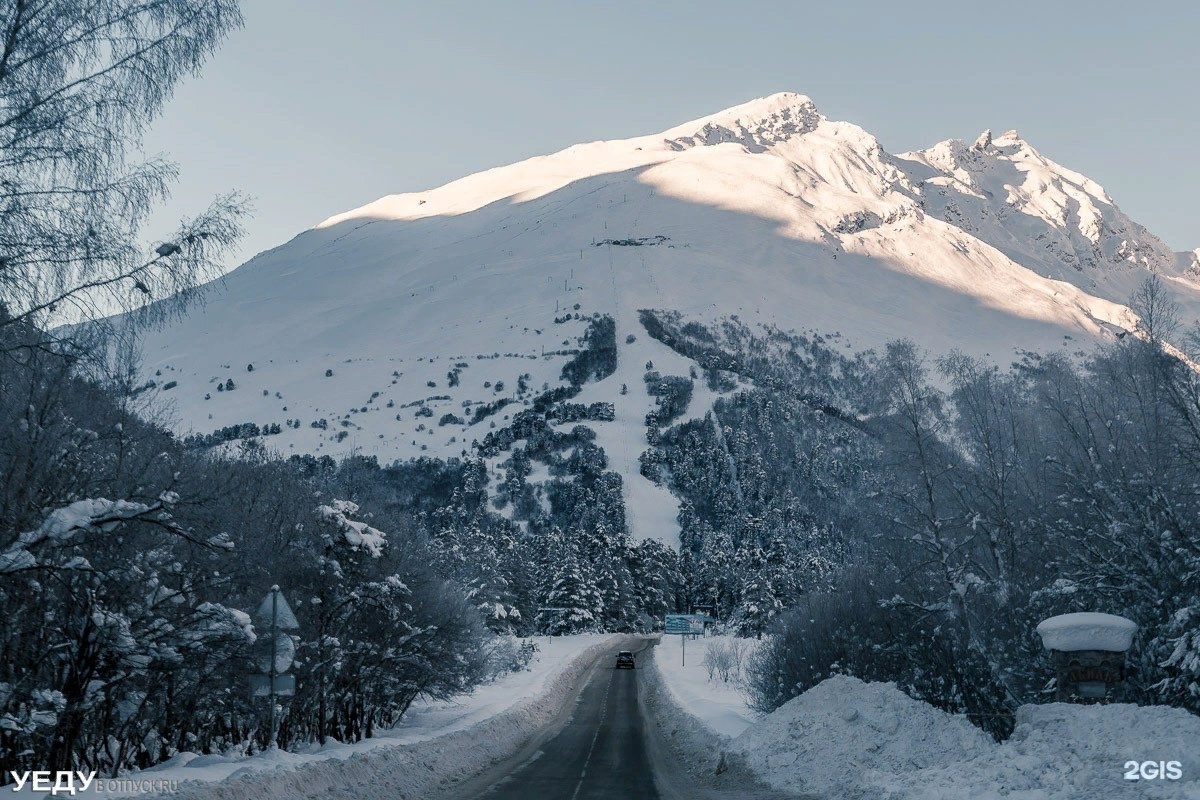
{"x": 422, "y": 323}
{"x": 1189, "y": 263}
{"x": 764, "y": 108}
{"x": 757, "y": 124}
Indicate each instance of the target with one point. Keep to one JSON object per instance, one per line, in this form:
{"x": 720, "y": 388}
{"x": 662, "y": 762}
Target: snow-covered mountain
{"x": 394, "y": 322}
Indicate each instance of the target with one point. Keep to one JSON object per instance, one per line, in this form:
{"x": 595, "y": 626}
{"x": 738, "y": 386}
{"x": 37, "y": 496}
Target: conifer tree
{"x": 570, "y": 601}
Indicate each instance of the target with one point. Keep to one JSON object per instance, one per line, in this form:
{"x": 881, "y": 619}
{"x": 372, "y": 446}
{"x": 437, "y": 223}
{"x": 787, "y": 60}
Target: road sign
{"x": 685, "y": 624}
{"x": 275, "y": 651}
{"x": 274, "y": 612}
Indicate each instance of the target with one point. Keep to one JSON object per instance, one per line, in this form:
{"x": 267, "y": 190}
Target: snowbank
{"x": 850, "y": 739}
{"x": 1081, "y": 751}
{"x": 853, "y": 740}
{"x": 687, "y": 752}
{"x": 437, "y": 744}
{"x": 719, "y": 705}
{"x": 1087, "y": 630}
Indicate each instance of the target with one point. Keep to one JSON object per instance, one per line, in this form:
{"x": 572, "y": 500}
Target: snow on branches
{"x": 94, "y": 516}
{"x": 357, "y": 534}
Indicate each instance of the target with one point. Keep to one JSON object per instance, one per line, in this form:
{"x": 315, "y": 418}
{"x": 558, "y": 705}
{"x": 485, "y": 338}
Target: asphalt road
{"x": 600, "y": 754}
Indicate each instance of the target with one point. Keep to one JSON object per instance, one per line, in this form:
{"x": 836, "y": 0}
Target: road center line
{"x": 595, "y": 736}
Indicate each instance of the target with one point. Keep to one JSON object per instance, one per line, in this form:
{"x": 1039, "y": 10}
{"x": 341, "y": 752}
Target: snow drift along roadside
{"x": 853, "y": 740}
{"x": 418, "y": 770}
{"x": 680, "y": 742}
{"x": 720, "y": 705}
{"x": 848, "y": 739}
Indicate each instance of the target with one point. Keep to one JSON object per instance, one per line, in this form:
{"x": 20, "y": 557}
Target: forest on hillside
{"x": 904, "y": 517}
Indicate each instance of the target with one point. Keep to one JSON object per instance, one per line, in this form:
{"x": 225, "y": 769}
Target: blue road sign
{"x": 691, "y": 624}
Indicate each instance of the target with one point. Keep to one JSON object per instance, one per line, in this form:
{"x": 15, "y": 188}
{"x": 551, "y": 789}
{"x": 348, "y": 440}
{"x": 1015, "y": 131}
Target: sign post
{"x": 276, "y": 653}
{"x": 685, "y": 625}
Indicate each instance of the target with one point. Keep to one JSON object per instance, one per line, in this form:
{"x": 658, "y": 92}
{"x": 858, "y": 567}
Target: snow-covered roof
{"x": 1087, "y": 630}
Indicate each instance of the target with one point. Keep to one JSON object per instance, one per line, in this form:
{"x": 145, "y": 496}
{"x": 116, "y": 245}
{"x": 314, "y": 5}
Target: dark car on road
{"x": 625, "y": 660}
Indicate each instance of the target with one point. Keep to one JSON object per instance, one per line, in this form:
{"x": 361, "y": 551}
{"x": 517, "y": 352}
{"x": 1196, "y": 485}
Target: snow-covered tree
{"x": 570, "y": 602}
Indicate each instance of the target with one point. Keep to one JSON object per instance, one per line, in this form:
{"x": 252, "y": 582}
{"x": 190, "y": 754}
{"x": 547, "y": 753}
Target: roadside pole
{"x": 274, "y": 652}
{"x": 274, "y": 655}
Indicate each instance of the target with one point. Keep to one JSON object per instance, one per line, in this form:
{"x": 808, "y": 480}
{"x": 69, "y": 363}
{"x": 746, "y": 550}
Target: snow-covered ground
{"x": 854, "y": 740}
{"x": 719, "y": 704}
{"x": 519, "y": 702}
{"x": 851, "y": 740}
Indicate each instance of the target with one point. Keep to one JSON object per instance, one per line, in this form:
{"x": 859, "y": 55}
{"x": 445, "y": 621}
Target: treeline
{"x": 231, "y": 433}
{"x": 548, "y": 557}
{"x": 773, "y": 482}
{"x": 128, "y": 562}
{"x": 912, "y": 520}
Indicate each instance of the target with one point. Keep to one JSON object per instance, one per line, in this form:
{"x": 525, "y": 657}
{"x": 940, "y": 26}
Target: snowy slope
{"x": 1043, "y": 215}
{"x": 767, "y": 211}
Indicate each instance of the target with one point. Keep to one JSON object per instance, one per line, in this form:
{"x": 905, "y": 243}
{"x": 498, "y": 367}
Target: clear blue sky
{"x": 318, "y": 107}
